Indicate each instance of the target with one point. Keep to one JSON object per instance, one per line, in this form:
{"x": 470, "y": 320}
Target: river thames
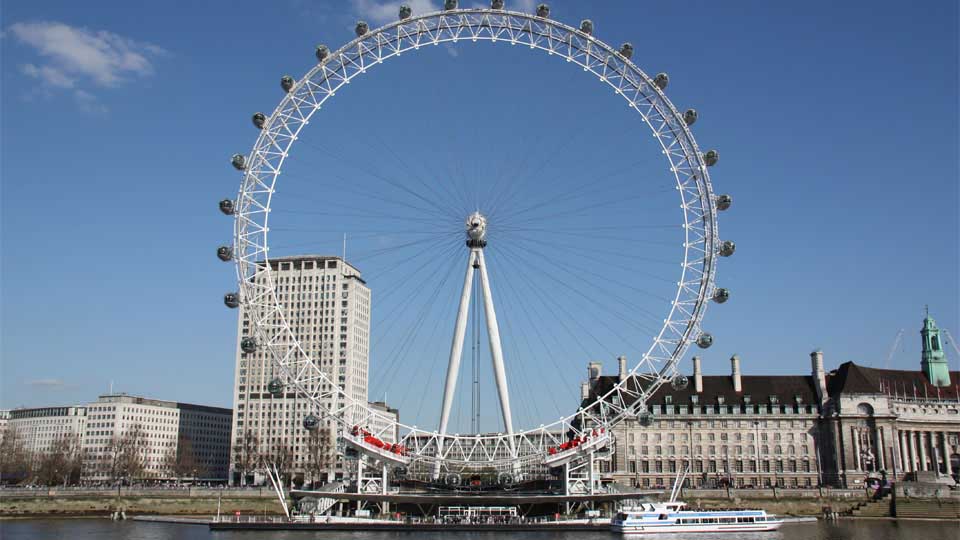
{"x": 102, "y": 529}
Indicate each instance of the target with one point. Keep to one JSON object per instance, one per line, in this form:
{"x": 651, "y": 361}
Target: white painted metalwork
{"x": 307, "y": 95}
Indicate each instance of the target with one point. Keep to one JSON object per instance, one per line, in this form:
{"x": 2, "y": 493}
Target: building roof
{"x": 759, "y": 387}
{"x": 850, "y": 378}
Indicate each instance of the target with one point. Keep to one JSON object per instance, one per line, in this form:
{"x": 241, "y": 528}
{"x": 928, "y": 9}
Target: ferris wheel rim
{"x": 606, "y": 408}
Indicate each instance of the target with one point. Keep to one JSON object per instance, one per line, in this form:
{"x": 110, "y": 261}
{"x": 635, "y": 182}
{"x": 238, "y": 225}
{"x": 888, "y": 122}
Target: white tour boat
{"x": 673, "y": 517}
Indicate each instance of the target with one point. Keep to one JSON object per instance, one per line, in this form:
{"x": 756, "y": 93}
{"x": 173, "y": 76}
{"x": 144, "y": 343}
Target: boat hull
{"x": 669, "y": 528}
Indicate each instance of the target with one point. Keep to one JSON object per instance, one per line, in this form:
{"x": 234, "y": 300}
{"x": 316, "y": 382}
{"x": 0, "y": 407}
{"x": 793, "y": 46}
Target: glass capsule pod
{"x": 405, "y": 12}
{"x": 311, "y": 422}
{"x": 724, "y": 201}
{"x": 239, "y": 162}
{"x": 727, "y": 247}
{"x": 259, "y": 119}
{"x": 361, "y": 28}
{"x": 286, "y": 82}
{"x": 224, "y": 253}
{"x": 690, "y": 116}
{"x": 543, "y": 10}
{"x": 586, "y": 26}
{"x": 275, "y": 387}
{"x": 449, "y": 4}
{"x": 226, "y": 206}
{"x": 453, "y": 479}
{"x": 721, "y": 295}
{"x": 626, "y": 50}
{"x": 248, "y": 345}
{"x": 680, "y": 382}
{"x": 661, "y": 80}
{"x": 644, "y": 418}
{"x": 711, "y": 158}
{"x": 704, "y": 341}
{"x": 231, "y": 300}
{"x": 496, "y": 4}
{"x": 322, "y": 52}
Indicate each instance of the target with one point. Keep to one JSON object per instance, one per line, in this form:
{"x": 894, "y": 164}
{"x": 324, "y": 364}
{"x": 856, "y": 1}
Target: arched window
{"x": 865, "y": 409}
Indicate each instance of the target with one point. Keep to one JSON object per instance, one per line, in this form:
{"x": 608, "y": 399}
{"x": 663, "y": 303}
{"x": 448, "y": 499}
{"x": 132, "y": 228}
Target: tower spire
{"x": 933, "y": 360}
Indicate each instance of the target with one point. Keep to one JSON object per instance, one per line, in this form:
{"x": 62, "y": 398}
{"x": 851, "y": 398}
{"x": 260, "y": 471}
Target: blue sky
{"x": 836, "y": 123}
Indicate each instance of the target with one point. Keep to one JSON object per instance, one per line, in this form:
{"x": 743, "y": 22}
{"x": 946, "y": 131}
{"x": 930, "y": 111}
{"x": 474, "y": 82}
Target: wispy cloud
{"x": 379, "y": 12}
{"x": 47, "y": 383}
{"x": 78, "y": 59}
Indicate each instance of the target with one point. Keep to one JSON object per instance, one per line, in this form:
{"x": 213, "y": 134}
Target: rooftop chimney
{"x": 622, "y": 365}
{"x": 735, "y": 369}
{"x": 593, "y": 370}
{"x": 697, "y": 375}
{"x": 819, "y": 377}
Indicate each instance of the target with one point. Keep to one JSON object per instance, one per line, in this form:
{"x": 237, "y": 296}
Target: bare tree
{"x": 319, "y": 454}
{"x": 182, "y": 460}
{"x": 125, "y": 458}
{"x": 246, "y": 455}
{"x": 15, "y": 458}
{"x": 61, "y": 463}
{"x": 280, "y": 455}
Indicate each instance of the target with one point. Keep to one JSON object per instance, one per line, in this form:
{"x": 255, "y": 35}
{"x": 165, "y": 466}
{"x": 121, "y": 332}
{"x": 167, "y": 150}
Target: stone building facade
{"x": 848, "y": 427}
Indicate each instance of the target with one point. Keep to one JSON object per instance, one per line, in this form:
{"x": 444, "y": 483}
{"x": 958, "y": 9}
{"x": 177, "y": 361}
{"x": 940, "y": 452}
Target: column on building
{"x": 924, "y": 441}
{"x": 912, "y": 442}
{"x": 946, "y": 453}
{"x": 855, "y": 436}
{"x": 881, "y": 450}
{"x": 902, "y": 447}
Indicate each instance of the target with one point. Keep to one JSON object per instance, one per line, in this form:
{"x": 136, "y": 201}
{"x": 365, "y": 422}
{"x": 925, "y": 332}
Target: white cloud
{"x": 47, "y": 383}
{"x": 378, "y": 12}
{"x": 73, "y": 57}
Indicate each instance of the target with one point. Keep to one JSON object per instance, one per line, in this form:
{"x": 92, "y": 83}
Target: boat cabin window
{"x": 662, "y": 516}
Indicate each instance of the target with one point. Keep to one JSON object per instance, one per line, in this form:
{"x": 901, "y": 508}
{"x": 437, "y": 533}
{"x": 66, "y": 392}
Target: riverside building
{"x": 198, "y": 436}
{"x": 847, "y": 427}
{"x": 327, "y": 304}
{"x": 39, "y": 428}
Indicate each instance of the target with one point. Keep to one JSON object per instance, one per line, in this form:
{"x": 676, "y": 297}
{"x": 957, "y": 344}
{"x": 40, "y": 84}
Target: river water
{"x": 103, "y": 529}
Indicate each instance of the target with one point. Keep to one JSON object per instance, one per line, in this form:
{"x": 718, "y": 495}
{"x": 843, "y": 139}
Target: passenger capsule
{"x": 259, "y": 119}
{"x": 680, "y": 382}
{"x": 248, "y": 345}
{"x": 286, "y": 82}
{"x": 496, "y": 4}
{"x": 361, "y": 28}
{"x": 626, "y": 50}
{"x": 453, "y": 479}
{"x": 505, "y": 479}
{"x": 543, "y": 10}
{"x": 690, "y": 116}
{"x": 322, "y": 52}
{"x": 727, "y": 247}
{"x": 275, "y": 387}
{"x": 449, "y": 4}
{"x": 224, "y": 253}
{"x": 226, "y": 206}
{"x": 239, "y": 162}
{"x": 405, "y": 12}
{"x": 721, "y": 295}
{"x": 644, "y": 418}
{"x": 310, "y": 422}
{"x": 704, "y": 341}
{"x": 586, "y": 26}
{"x": 724, "y": 201}
{"x": 661, "y": 80}
{"x": 711, "y": 158}
{"x": 231, "y": 300}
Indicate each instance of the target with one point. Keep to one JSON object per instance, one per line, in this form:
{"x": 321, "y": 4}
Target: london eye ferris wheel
{"x": 566, "y": 265}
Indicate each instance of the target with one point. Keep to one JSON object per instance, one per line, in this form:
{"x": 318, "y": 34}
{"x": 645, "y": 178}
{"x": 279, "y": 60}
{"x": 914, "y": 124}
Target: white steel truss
{"x": 641, "y": 95}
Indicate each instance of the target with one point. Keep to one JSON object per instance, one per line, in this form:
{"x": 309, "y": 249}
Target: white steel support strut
{"x": 456, "y": 348}
{"x": 476, "y": 241}
{"x": 496, "y": 350}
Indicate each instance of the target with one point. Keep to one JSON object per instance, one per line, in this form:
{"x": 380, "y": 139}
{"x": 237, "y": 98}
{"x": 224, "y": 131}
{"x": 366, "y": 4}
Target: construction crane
{"x": 893, "y": 348}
